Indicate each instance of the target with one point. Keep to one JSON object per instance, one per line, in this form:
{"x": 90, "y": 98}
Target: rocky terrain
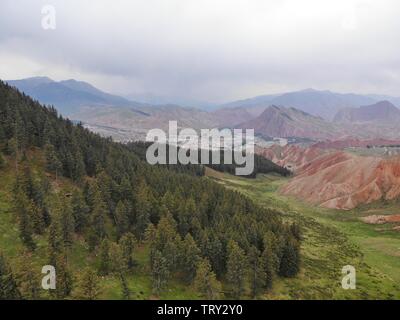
{"x": 337, "y": 179}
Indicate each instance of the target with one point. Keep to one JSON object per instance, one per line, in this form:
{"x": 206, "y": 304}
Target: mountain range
{"x": 68, "y": 95}
{"x": 311, "y": 114}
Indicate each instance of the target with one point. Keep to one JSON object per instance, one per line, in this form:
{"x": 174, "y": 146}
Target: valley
{"x": 332, "y": 239}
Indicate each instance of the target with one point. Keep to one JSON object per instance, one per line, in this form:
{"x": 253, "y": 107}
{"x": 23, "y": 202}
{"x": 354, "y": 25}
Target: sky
{"x": 206, "y": 50}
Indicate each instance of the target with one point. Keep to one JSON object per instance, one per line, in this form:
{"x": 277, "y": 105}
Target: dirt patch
{"x": 381, "y": 219}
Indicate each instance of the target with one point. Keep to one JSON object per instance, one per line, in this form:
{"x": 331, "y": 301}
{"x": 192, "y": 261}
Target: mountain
{"x": 125, "y": 124}
{"x": 319, "y": 103}
{"x": 342, "y": 180}
{"x": 68, "y": 95}
{"x": 381, "y": 112}
{"x": 278, "y": 121}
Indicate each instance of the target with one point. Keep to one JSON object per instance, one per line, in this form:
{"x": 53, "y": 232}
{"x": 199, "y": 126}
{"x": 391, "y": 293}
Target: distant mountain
{"x": 381, "y": 112}
{"x": 68, "y": 96}
{"x": 154, "y": 99}
{"x": 319, "y": 103}
{"x": 277, "y": 121}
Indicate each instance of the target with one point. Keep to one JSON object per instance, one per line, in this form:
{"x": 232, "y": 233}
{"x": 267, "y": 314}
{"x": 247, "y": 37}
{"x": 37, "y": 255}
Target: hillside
{"x": 337, "y": 179}
{"x": 381, "y": 112}
{"x": 277, "y": 121}
{"x": 69, "y": 95}
{"x": 115, "y": 227}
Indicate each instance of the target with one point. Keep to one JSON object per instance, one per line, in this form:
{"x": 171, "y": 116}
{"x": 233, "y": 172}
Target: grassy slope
{"x": 332, "y": 239}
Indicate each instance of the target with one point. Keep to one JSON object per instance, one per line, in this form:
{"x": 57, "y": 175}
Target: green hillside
{"x": 115, "y": 227}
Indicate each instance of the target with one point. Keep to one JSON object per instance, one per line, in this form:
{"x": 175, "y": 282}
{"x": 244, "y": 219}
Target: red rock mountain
{"x": 337, "y": 179}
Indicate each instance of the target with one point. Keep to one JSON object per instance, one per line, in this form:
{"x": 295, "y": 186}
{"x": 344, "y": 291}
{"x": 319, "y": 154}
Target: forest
{"x": 197, "y": 231}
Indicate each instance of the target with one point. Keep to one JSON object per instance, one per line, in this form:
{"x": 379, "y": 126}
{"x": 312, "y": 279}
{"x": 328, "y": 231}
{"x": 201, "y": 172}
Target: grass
{"x": 332, "y": 239}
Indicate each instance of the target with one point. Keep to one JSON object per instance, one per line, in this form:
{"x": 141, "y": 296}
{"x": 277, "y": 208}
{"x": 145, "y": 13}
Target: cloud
{"x": 207, "y": 50}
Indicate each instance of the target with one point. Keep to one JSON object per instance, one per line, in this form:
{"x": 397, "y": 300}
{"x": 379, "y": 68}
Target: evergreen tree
{"x": 88, "y": 285}
{"x": 122, "y": 218}
{"x": 80, "y": 211}
{"x": 257, "y": 272}
{"x": 28, "y": 277}
{"x": 8, "y": 284}
{"x": 290, "y": 262}
{"x": 23, "y": 208}
{"x": 105, "y": 261}
{"x": 190, "y": 256}
{"x": 236, "y": 269}
{"x": 143, "y": 209}
{"x": 64, "y": 277}
{"x": 206, "y": 282}
{"x": 53, "y": 164}
{"x": 53, "y": 242}
{"x": 127, "y": 244}
{"x": 66, "y": 224}
{"x": 159, "y": 272}
{"x": 268, "y": 264}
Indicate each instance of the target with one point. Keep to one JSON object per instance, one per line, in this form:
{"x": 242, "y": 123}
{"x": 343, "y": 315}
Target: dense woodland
{"x": 261, "y": 164}
{"x": 196, "y": 230}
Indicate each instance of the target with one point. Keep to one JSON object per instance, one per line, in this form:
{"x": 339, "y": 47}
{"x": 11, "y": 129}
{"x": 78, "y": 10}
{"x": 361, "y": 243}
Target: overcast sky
{"x": 210, "y": 50}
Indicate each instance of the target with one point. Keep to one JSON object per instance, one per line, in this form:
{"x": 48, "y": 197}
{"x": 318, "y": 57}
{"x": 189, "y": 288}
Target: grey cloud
{"x": 211, "y": 50}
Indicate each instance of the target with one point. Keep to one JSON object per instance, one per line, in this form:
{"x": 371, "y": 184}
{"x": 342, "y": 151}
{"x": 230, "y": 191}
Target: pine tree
{"x": 290, "y": 261}
{"x": 8, "y": 284}
{"x": 98, "y": 221}
{"x": 64, "y": 277}
{"x": 28, "y": 277}
{"x": 105, "y": 261}
{"x": 23, "y": 206}
{"x": 127, "y": 244}
{"x": 268, "y": 264}
{"x": 190, "y": 256}
{"x": 122, "y": 218}
{"x": 66, "y": 224}
{"x": 80, "y": 211}
{"x": 53, "y": 243}
{"x": 88, "y": 285}
{"x": 236, "y": 269}
{"x": 53, "y": 164}
{"x": 143, "y": 209}
{"x": 159, "y": 272}
{"x": 206, "y": 282}
{"x": 257, "y": 272}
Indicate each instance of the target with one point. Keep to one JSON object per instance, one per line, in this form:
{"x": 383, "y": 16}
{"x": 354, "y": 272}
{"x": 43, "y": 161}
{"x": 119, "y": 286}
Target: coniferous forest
{"x": 63, "y": 185}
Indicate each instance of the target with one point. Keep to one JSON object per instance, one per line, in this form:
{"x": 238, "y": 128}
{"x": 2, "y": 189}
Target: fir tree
{"x": 64, "y": 277}
{"x": 189, "y": 257}
{"x": 257, "y": 272}
{"x": 290, "y": 262}
{"x": 236, "y": 269}
{"x": 88, "y": 285}
{"x": 159, "y": 272}
{"x": 105, "y": 261}
{"x": 8, "y": 284}
{"x": 127, "y": 244}
{"x": 206, "y": 282}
